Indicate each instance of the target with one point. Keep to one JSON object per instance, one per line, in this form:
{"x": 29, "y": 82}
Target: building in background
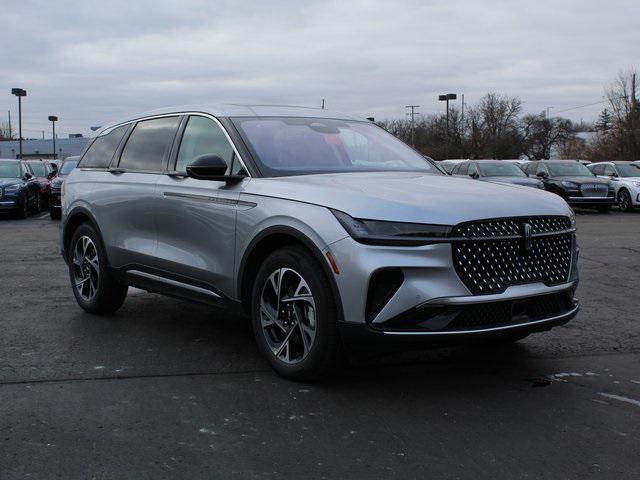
{"x": 65, "y": 147}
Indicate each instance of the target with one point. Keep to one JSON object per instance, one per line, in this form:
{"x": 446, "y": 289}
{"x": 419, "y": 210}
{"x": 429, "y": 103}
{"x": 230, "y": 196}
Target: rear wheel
{"x": 294, "y": 316}
{"x": 624, "y": 201}
{"x": 94, "y": 287}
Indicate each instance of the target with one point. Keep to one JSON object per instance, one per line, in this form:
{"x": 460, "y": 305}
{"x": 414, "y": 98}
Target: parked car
{"x": 42, "y": 170}
{"x": 19, "y": 189}
{"x": 574, "y": 182}
{"x": 55, "y": 206}
{"x": 625, "y": 178}
{"x": 496, "y": 171}
{"x": 447, "y": 165}
{"x": 323, "y": 228}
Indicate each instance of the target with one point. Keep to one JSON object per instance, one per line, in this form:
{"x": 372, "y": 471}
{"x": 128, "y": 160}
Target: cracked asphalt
{"x": 168, "y": 389}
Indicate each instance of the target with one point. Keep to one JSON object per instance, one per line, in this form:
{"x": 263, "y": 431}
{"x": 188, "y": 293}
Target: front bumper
{"x": 591, "y": 201}
{"x": 9, "y": 202}
{"x": 54, "y": 198}
{"x": 431, "y": 303}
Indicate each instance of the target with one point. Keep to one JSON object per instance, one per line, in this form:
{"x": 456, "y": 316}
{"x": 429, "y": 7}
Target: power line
{"x": 579, "y": 106}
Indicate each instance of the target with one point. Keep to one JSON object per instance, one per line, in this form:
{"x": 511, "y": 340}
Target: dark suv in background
{"x": 574, "y": 182}
{"x": 55, "y": 205}
{"x": 19, "y": 189}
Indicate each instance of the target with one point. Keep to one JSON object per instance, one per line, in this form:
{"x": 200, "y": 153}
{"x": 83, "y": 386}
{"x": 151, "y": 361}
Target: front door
{"x": 196, "y": 219}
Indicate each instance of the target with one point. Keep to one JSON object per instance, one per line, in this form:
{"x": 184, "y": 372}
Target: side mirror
{"x": 51, "y": 175}
{"x": 28, "y": 176}
{"x": 211, "y": 167}
{"x": 542, "y": 175}
{"x": 474, "y": 175}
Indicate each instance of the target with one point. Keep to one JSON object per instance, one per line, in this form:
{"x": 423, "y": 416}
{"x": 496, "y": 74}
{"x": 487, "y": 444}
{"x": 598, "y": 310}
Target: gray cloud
{"x": 89, "y": 62}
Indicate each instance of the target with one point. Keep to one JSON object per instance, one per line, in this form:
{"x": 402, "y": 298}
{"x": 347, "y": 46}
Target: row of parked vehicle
{"x": 582, "y": 184}
{"x": 31, "y": 186}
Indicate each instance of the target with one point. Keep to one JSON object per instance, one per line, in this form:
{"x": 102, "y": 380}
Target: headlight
{"x": 377, "y": 232}
{"x": 12, "y": 188}
{"x": 572, "y": 219}
{"x": 637, "y": 184}
{"x": 569, "y": 184}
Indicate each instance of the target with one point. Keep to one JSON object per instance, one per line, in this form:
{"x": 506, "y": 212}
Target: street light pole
{"x": 53, "y": 119}
{"x": 19, "y": 92}
{"x": 446, "y": 98}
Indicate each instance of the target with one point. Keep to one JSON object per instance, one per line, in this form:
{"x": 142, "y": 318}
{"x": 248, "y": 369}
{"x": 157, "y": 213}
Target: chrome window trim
{"x": 178, "y": 114}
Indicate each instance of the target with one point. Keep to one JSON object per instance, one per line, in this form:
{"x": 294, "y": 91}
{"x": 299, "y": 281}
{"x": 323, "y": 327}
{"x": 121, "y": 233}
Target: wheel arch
{"x": 75, "y": 218}
{"x": 265, "y": 243}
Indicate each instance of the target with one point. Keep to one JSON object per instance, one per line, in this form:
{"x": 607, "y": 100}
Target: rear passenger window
{"x": 102, "y": 149}
{"x": 203, "y": 136}
{"x": 463, "y": 169}
{"x": 149, "y": 144}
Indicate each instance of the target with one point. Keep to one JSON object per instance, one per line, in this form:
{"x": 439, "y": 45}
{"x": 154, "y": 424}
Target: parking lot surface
{"x": 168, "y": 389}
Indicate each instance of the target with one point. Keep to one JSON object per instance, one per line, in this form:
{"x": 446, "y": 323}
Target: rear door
{"x": 196, "y": 219}
{"x": 127, "y": 208}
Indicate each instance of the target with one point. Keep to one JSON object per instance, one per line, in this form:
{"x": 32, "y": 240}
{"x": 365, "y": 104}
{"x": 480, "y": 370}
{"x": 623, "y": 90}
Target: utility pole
{"x": 413, "y": 121}
{"x": 53, "y": 119}
{"x": 10, "y": 131}
{"x": 19, "y": 92}
{"x": 323, "y": 104}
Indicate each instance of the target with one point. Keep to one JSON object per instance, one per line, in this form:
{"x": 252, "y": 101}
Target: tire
{"x": 94, "y": 287}
{"x": 23, "y": 209}
{"x": 37, "y": 204}
{"x": 624, "y": 201}
{"x": 54, "y": 213}
{"x": 313, "y": 350}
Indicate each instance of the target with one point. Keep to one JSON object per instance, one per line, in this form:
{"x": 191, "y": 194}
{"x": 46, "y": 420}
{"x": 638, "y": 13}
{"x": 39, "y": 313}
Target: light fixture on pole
{"x": 445, "y": 98}
{"x": 19, "y": 92}
{"x": 53, "y": 119}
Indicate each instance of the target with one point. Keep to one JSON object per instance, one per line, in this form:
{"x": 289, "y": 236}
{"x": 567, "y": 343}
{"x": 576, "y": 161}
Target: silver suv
{"x": 323, "y": 228}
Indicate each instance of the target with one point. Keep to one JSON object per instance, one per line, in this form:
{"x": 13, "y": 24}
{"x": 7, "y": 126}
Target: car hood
{"x": 582, "y": 180}
{"x": 411, "y": 197}
{"x": 5, "y": 182}
{"x": 529, "y": 182}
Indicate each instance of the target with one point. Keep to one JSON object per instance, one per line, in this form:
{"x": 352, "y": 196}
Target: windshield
{"x": 500, "y": 169}
{"x": 568, "y": 169}
{"x": 297, "y": 146}
{"x": 38, "y": 169}
{"x": 9, "y": 170}
{"x": 67, "y": 167}
{"x": 629, "y": 169}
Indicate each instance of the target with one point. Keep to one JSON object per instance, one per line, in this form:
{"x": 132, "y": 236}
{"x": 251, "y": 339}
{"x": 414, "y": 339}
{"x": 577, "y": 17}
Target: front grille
{"x": 493, "y": 253}
{"x": 594, "y": 190}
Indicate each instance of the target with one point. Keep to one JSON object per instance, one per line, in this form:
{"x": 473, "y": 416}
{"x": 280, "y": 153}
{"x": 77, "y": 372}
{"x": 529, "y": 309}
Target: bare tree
{"x": 542, "y": 134}
{"x": 5, "y": 133}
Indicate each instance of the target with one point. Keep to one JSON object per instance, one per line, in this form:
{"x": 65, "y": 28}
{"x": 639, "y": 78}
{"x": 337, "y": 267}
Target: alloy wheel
{"x": 86, "y": 268}
{"x": 624, "y": 201}
{"x": 288, "y": 315}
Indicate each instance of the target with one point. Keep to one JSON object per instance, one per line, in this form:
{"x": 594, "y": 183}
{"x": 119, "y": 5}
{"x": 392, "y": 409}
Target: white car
{"x": 625, "y": 177}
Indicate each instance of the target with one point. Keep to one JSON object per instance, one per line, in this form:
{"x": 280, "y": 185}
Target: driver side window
{"x": 541, "y": 168}
{"x": 203, "y": 136}
{"x": 609, "y": 171}
{"x": 473, "y": 169}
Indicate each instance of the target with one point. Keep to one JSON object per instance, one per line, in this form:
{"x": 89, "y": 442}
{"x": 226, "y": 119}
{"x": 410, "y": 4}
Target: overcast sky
{"x": 90, "y": 62}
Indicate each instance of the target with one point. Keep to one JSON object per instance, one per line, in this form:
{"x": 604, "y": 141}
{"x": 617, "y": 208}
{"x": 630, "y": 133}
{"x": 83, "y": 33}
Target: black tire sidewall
{"x": 109, "y": 294}
{"x": 625, "y": 194}
{"x": 319, "y": 361}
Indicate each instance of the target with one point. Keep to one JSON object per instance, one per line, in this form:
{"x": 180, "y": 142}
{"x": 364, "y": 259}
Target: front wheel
{"x": 94, "y": 287}
{"x": 624, "y": 201}
{"x": 294, "y": 315}
{"x": 23, "y": 210}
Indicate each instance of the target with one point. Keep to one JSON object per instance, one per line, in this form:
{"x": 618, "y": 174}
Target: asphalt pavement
{"x": 169, "y": 389}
